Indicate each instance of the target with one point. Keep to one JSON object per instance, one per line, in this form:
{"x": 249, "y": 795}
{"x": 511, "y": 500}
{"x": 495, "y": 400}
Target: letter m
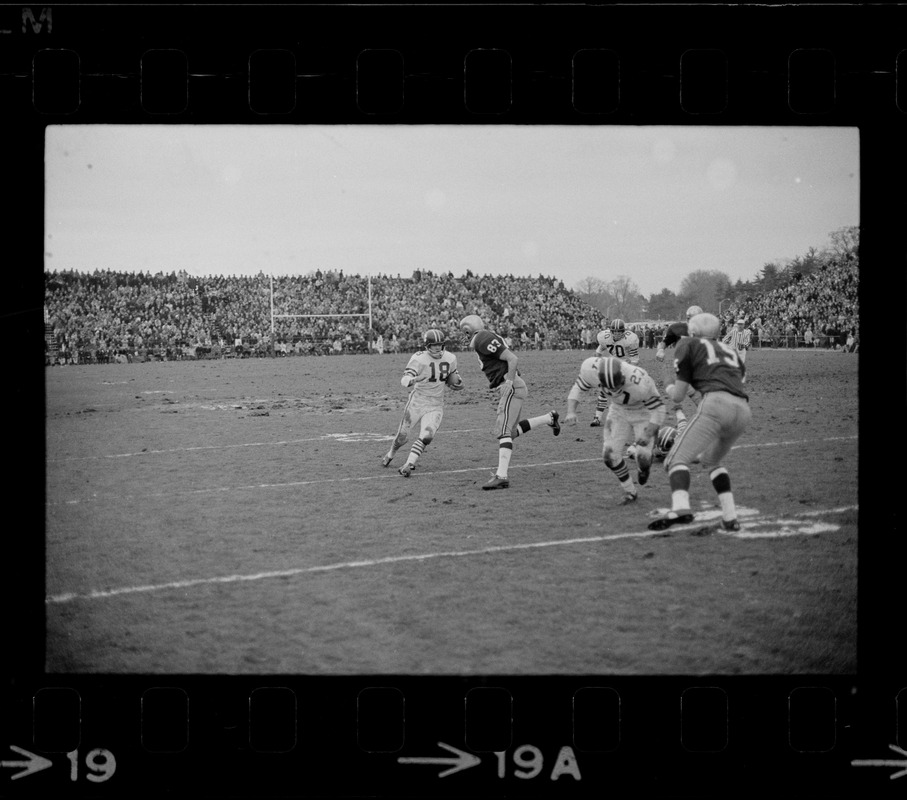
{"x": 37, "y": 24}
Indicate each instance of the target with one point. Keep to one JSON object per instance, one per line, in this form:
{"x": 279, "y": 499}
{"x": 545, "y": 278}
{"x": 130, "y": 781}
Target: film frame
{"x": 793, "y": 65}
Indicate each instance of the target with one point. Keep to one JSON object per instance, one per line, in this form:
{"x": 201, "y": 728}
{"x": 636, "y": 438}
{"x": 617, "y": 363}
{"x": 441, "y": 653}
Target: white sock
{"x": 504, "y": 454}
{"x": 680, "y": 500}
{"x": 728, "y": 509}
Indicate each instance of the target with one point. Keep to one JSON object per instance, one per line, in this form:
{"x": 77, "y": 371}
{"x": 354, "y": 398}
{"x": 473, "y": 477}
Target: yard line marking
{"x": 336, "y": 436}
{"x": 323, "y": 437}
{"x": 289, "y": 573}
{"x": 386, "y": 475}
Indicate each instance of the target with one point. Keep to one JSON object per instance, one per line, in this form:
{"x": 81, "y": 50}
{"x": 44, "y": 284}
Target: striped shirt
{"x": 738, "y": 338}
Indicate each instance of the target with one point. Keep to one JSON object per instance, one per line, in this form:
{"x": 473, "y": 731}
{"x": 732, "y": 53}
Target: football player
{"x": 635, "y": 413}
{"x": 499, "y": 364}
{"x": 675, "y": 332}
{"x": 615, "y": 341}
{"x": 426, "y": 375}
{"x": 715, "y": 370}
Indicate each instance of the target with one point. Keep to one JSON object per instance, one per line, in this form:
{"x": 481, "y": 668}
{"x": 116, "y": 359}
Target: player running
{"x": 426, "y": 374}
{"x": 635, "y": 413}
{"x": 615, "y": 341}
{"x": 499, "y": 363}
{"x": 715, "y": 370}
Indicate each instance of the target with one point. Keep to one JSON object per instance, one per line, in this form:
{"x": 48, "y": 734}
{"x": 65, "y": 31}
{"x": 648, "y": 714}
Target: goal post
{"x": 275, "y": 316}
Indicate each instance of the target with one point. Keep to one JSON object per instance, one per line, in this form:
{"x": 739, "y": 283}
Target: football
{"x": 454, "y": 381}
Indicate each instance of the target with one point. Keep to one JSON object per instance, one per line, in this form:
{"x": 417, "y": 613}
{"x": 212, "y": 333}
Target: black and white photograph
{"x": 451, "y": 400}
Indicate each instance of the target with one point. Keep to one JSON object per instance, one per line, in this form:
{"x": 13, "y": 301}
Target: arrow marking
{"x": 34, "y": 763}
{"x": 885, "y": 762}
{"x": 462, "y": 761}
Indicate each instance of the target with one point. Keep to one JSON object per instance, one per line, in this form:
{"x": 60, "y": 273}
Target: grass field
{"x": 233, "y": 517}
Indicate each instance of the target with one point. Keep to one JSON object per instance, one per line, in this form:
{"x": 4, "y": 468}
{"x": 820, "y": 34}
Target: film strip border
{"x": 495, "y": 735}
{"x": 593, "y": 65}
{"x": 589, "y": 64}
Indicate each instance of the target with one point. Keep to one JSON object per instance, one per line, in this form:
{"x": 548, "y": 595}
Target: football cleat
{"x": 629, "y": 498}
{"x": 730, "y": 524}
{"x": 385, "y": 460}
{"x": 555, "y": 424}
{"x": 496, "y": 482}
{"x": 678, "y": 518}
{"x": 405, "y": 470}
{"x": 643, "y": 464}
{"x": 596, "y": 423}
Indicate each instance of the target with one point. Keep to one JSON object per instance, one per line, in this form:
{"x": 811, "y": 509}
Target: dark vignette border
{"x": 868, "y": 49}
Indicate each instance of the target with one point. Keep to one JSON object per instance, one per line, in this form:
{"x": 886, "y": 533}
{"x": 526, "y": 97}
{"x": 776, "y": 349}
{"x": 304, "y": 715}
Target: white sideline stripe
{"x": 393, "y": 473}
{"x": 289, "y": 573}
{"x": 323, "y": 437}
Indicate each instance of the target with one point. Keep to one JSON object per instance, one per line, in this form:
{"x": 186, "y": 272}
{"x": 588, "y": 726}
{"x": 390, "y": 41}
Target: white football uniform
{"x": 425, "y": 403}
{"x": 435, "y": 372}
{"x": 636, "y": 404}
{"x": 626, "y": 348}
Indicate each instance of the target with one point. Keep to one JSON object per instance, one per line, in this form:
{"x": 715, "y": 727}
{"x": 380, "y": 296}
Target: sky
{"x": 651, "y": 203}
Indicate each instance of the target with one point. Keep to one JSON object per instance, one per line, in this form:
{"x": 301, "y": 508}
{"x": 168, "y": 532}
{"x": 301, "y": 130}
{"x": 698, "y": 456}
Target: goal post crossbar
{"x": 322, "y": 316}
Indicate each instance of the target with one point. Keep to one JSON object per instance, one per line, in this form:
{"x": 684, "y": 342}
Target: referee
{"x": 739, "y": 339}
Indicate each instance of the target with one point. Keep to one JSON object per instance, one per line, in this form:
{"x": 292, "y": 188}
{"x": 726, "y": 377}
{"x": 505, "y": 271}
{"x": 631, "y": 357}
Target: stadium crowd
{"x": 108, "y": 315}
{"x": 119, "y": 316}
{"x": 819, "y": 309}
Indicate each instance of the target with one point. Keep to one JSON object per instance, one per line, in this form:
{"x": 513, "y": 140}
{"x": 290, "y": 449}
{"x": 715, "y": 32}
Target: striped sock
{"x": 622, "y": 473}
{"x": 415, "y": 451}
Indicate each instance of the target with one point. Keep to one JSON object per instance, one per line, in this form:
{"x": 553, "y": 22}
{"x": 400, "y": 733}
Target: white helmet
{"x": 706, "y": 325}
{"x": 666, "y": 436}
{"x": 692, "y": 311}
{"x": 610, "y": 374}
{"x": 471, "y": 324}
{"x": 618, "y": 329}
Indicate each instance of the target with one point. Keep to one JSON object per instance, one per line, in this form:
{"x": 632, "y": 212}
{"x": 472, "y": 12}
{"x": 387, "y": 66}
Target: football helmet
{"x": 433, "y": 340}
{"x": 618, "y": 329}
{"x": 471, "y": 324}
{"x": 665, "y": 438}
{"x": 706, "y": 325}
{"x": 610, "y": 374}
{"x": 692, "y": 311}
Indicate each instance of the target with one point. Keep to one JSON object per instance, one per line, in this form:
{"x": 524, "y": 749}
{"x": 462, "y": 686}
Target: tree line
{"x": 713, "y": 290}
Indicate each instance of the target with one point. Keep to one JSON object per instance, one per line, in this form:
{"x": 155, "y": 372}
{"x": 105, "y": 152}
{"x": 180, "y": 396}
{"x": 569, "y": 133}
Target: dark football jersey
{"x": 675, "y": 332}
{"x": 489, "y": 346}
{"x": 709, "y": 366}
